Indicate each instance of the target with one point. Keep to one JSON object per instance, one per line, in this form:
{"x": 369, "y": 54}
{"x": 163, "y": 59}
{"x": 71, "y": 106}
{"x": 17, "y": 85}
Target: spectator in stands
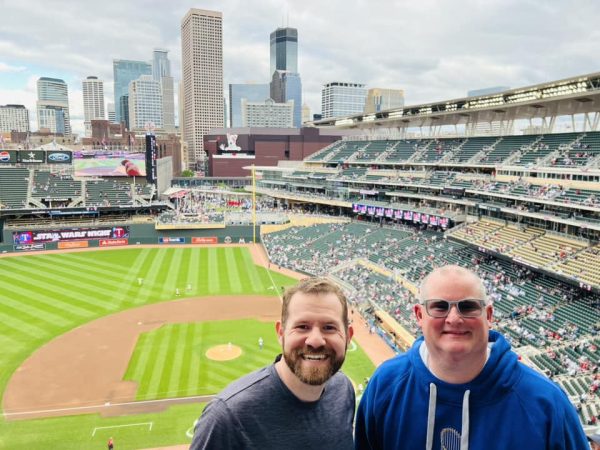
{"x": 461, "y": 386}
{"x": 263, "y": 410}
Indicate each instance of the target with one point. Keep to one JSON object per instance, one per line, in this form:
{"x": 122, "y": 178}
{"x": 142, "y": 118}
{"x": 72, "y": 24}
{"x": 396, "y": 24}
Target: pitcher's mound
{"x": 223, "y": 352}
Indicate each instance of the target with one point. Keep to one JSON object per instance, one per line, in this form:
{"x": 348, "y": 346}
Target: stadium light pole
{"x": 253, "y": 205}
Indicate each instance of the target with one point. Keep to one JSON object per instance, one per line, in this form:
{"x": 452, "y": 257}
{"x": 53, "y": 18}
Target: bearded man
{"x": 301, "y": 401}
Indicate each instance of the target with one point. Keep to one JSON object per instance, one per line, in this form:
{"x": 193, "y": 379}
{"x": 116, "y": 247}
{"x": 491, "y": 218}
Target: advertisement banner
{"x": 112, "y": 242}
{"x": 73, "y": 244}
{"x": 29, "y": 247}
{"x": 59, "y": 157}
{"x": 205, "y": 240}
{"x": 32, "y": 156}
{"x": 8, "y": 157}
{"x": 70, "y": 234}
{"x": 171, "y": 240}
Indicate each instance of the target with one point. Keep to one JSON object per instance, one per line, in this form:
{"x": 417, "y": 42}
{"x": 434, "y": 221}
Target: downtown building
{"x": 161, "y": 72}
{"x": 202, "y": 79}
{"x": 93, "y": 102}
{"x": 286, "y": 84}
{"x": 124, "y": 72}
{"x": 248, "y": 92}
{"x": 53, "y": 106}
{"x": 14, "y": 118}
{"x": 340, "y": 99}
{"x": 145, "y": 104}
{"x": 267, "y": 114}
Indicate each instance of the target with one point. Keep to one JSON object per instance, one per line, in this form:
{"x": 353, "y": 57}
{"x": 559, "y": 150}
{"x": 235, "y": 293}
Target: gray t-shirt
{"x": 258, "y": 411}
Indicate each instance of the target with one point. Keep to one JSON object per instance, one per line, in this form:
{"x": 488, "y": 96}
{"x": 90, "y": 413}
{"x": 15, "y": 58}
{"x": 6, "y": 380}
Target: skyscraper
{"x": 124, "y": 72}
{"x": 161, "y": 72}
{"x": 14, "y": 118}
{"x": 202, "y": 73}
{"x": 284, "y": 50}
{"x": 53, "y": 106}
{"x": 93, "y": 102}
{"x": 161, "y": 66}
{"x": 286, "y": 86}
{"x": 239, "y": 92}
{"x": 145, "y": 103}
{"x": 340, "y": 99}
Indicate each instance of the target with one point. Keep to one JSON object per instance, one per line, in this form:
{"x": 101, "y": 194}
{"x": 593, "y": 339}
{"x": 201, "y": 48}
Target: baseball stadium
{"x": 125, "y": 307}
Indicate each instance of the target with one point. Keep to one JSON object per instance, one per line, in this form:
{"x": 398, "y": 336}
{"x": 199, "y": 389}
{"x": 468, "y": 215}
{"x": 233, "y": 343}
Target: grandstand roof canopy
{"x": 576, "y": 95}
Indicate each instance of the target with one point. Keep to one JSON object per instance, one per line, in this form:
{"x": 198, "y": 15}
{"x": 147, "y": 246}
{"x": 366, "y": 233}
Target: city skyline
{"x": 433, "y": 50}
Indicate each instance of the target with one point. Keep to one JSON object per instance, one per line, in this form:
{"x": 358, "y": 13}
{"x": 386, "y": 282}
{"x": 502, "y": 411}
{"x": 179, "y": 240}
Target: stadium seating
{"x": 14, "y": 185}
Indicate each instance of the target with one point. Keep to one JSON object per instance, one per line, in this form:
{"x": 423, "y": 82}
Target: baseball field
{"x": 131, "y": 343}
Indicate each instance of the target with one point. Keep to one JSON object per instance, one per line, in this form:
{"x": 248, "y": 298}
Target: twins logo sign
{"x": 119, "y": 232}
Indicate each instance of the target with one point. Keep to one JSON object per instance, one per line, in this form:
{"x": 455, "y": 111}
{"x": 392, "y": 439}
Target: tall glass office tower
{"x": 286, "y": 84}
{"x": 124, "y": 72}
{"x": 284, "y": 50}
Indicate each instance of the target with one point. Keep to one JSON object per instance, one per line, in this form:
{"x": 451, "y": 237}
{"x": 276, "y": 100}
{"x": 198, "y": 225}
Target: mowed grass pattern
{"x": 43, "y": 296}
{"x": 171, "y": 361}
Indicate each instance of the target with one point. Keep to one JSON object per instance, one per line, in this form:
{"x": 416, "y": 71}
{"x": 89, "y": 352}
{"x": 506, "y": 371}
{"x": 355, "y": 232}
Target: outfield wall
{"x": 27, "y": 240}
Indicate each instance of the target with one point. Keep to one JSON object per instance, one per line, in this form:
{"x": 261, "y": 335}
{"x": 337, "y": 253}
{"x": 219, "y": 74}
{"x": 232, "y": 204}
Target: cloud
{"x": 433, "y": 49}
{"x": 7, "y": 68}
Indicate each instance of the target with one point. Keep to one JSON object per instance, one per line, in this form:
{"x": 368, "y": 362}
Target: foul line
{"x": 174, "y": 400}
{"x": 126, "y": 425}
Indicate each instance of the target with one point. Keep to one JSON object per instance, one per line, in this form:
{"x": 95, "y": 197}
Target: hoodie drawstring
{"x": 464, "y": 434}
{"x": 431, "y": 416}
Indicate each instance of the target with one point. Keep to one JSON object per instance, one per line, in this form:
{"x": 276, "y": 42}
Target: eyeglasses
{"x": 466, "y": 308}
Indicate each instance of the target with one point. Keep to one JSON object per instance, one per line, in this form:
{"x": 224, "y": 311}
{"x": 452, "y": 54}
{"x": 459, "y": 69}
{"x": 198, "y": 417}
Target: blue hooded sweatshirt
{"x": 507, "y": 406}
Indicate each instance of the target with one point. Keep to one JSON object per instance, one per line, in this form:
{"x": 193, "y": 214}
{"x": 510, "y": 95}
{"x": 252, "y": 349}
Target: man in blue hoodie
{"x": 460, "y": 386}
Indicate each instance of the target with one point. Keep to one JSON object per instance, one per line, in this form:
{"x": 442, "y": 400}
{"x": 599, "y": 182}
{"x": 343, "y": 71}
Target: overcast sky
{"x": 433, "y": 49}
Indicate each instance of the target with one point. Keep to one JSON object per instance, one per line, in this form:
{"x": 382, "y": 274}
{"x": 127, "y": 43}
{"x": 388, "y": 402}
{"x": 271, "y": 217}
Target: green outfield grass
{"x": 43, "y": 296}
{"x": 179, "y": 365}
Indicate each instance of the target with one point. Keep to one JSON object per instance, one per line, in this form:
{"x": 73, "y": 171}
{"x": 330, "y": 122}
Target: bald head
{"x": 455, "y": 274}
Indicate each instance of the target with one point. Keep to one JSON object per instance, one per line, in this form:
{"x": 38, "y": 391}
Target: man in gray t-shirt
{"x": 301, "y": 401}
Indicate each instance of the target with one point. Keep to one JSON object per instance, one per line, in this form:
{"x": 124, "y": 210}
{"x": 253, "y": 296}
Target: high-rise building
{"x": 286, "y": 86}
{"x": 306, "y": 117}
{"x": 267, "y": 114}
{"x": 202, "y": 78}
{"x": 53, "y": 106}
{"x": 381, "y": 99}
{"x": 161, "y": 72}
{"x": 161, "y": 66}
{"x": 339, "y": 99}
{"x": 145, "y": 103}
{"x": 14, "y": 118}
{"x": 93, "y": 102}
{"x": 249, "y": 92}
{"x": 284, "y": 50}
{"x": 124, "y": 72}
{"x": 110, "y": 110}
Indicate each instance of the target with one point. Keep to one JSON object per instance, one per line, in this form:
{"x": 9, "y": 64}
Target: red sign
{"x": 205, "y": 240}
{"x": 112, "y": 242}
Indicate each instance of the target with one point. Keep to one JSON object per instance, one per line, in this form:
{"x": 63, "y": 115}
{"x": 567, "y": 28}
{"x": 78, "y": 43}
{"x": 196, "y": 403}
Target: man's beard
{"x": 315, "y": 376}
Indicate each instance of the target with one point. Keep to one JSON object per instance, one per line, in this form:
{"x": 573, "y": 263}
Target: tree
{"x": 187, "y": 173}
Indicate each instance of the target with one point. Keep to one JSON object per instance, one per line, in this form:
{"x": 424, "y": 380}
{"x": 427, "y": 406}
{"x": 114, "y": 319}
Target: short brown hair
{"x": 315, "y": 286}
